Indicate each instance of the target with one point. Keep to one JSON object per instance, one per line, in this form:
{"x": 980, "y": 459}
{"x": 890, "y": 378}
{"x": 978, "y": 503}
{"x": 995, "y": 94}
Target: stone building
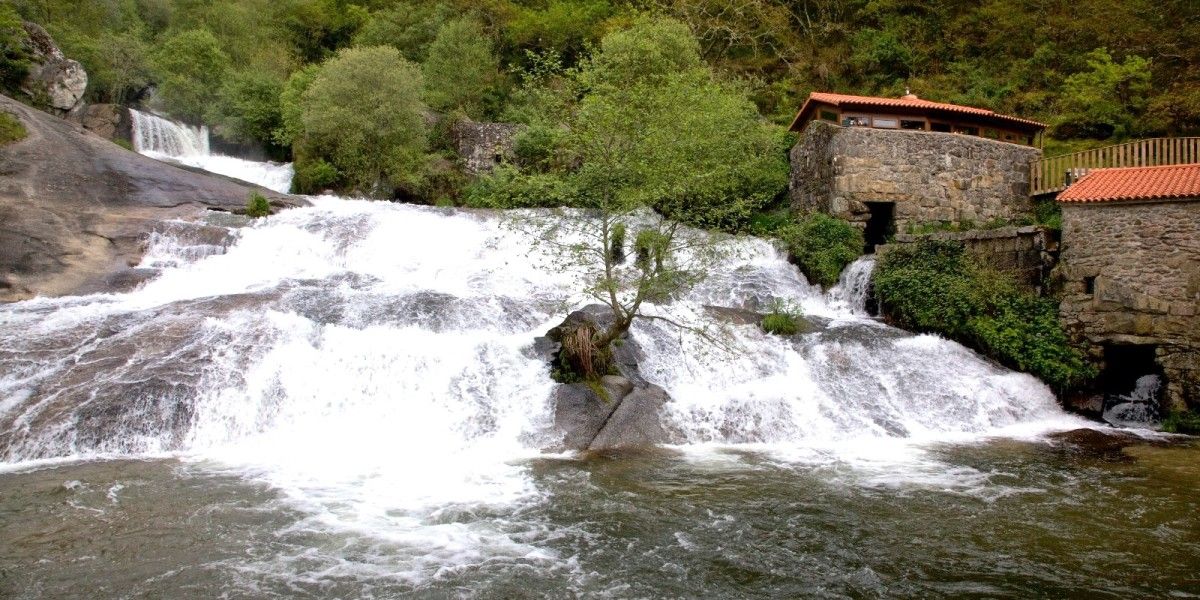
{"x": 484, "y": 146}
{"x": 1130, "y": 263}
{"x": 892, "y": 164}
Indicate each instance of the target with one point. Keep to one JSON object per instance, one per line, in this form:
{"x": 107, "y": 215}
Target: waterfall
{"x": 179, "y": 143}
{"x": 854, "y": 285}
{"x": 155, "y": 135}
{"x": 1139, "y": 408}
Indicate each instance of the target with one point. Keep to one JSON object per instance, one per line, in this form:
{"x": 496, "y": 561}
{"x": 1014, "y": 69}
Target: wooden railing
{"x": 1049, "y": 175}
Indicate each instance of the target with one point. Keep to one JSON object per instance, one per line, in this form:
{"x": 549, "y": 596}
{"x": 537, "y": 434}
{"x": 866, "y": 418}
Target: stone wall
{"x": 1027, "y": 253}
{"x": 1143, "y": 264}
{"x": 931, "y": 177}
{"x": 483, "y": 146}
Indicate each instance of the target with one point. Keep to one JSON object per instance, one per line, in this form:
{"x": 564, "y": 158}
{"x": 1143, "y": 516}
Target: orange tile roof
{"x": 1136, "y": 183}
{"x": 905, "y": 102}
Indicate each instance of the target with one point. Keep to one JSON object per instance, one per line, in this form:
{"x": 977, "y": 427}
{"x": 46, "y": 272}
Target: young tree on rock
{"x": 657, "y": 140}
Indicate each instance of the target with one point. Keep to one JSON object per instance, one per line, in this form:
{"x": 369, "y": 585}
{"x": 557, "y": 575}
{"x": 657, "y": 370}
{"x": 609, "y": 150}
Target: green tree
{"x": 248, "y": 107}
{"x": 1107, "y": 99}
{"x": 407, "y": 28}
{"x": 192, "y": 67}
{"x": 14, "y": 58}
{"x": 461, "y": 67}
{"x": 117, "y": 64}
{"x": 291, "y": 105}
{"x": 320, "y": 27}
{"x": 363, "y": 114}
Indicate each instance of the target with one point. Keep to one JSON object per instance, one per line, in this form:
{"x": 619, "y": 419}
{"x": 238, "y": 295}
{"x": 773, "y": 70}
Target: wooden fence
{"x": 1049, "y": 175}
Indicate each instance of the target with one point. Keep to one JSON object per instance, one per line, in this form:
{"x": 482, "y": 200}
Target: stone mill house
{"x": 1130, "y": 245}
{"x": 1131, "y": 265}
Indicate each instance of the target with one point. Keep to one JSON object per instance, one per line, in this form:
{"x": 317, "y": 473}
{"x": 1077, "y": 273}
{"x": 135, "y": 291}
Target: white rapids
{"x": 373, "y": 362}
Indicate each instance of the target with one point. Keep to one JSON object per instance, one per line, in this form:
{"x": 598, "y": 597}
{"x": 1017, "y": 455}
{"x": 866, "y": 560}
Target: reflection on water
{"x": 1081, "y": 516}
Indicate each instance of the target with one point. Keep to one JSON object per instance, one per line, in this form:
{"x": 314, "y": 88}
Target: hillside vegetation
{"x": 1095, "y": 69}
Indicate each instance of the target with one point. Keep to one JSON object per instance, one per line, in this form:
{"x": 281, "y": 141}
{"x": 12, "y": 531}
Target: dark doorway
{"x": 1124, "y": 365}
{"x": 880, "y": 226}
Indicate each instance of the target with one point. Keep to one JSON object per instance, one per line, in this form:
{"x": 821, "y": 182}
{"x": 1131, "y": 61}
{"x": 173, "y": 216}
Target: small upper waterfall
{"x": 170, "y": 141}
{"x": 854, "y": 286}
{"x": 155, "y": 135}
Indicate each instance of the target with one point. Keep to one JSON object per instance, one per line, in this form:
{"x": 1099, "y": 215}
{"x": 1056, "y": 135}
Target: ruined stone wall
{"x": 931, "y": 177}
{"x": 1145, "y": 261}
{"x": 483, "y": 146}
{"x": 1026, "y": 253}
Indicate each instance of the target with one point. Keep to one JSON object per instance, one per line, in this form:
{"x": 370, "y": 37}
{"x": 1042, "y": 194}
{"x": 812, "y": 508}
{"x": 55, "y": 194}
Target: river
{"x": 343, "y": 401}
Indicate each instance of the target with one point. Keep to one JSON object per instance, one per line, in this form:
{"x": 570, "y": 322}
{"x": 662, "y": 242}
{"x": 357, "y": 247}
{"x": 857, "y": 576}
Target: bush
{"x": 248, "y": 107}
{"x": 784, "y": 319}
{"x": 538, "y": 147}
{"x": 313, "y": 176}
{"x": 507, "y": 187}
{"x": 1182, "y": 422}
{"x": 935, "y": 287}
{"x": 11, "y": 129}
{"x": 257, "y": 206}
{"x": 822, "y": 246}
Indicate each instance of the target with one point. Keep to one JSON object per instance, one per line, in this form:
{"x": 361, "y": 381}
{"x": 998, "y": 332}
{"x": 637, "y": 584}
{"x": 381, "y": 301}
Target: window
{"x": 969, "y": 130}
{"x": 885, "y": 123}
{"x": 1089, "y": 285}
{"x": 856, "y": 121}
{"x": 906, "y": 124}
{"x": 991, "y": 133}
{"x": 829, "y": 116}
{"x": 942, "y": 127}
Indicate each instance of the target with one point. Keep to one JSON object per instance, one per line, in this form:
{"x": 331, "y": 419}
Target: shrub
{"x": 507, "y": 187}
{"x": 257, "y": 206}
{"x": 784, "y": 319}
{"x": 11, "y": 129}
{"x": 538, "y": 146}
{"x": 312, "y": 176}
{"x": 248, "y": 107}
{"x": 1182, "y": 422}
{"x": 935, "y": 287}
{"x": 822, "y": 246}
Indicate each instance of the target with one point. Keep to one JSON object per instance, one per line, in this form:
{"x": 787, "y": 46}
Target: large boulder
{"x": 53, "y": 80}
{"x": 109, "y": 121}
{"x": 636, "y": 422}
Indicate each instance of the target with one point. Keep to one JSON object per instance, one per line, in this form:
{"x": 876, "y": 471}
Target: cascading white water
{"x": 854, "y": 285}
{"x": 373, "y": 361}
{"x": 170, "y": 141}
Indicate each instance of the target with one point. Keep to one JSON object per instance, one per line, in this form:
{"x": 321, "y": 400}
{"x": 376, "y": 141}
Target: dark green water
{"x": 1080, "y": 517}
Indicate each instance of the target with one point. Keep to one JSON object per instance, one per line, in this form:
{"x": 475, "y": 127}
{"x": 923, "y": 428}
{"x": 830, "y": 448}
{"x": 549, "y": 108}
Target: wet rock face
{"x": 109, "y": 121}
{"x": 53, "y": 79}
{"x": 617, "y": 412}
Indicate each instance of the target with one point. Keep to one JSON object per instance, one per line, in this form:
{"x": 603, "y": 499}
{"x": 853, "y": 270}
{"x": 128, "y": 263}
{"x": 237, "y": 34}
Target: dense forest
{"x": 320, "y": 80}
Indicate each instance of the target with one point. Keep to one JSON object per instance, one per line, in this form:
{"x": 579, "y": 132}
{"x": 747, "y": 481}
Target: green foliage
{"x": 1182, "y": 421}
{"x": 248, "y": 106}
{"x": 460, "y": 68}
{"x": 257, "y": 206}
{"x": 1106, "y": 100}
{"x": 784, "y": 319}
{"x": 313, "y": 176}
{"x": 11, "y": 129}
{"x": 318, "y": 28}
{"x": 192, "y": 67}
{"x": 118, "y": 64}
{"x": 508, "y": 187}
{"x": 1048, "y": 214}
{"x": 291, "y": 106}
{"x": 822, "y": 246}
{"x": 935, "y": 287}
{"x": 616, "y": 244}
{"x": 539, "y": 147}
{"x": 407, "y": 28}
{"x": 14, "y": 57}
{"x": 563, "y": 26}
{"x": 362, "y": 113}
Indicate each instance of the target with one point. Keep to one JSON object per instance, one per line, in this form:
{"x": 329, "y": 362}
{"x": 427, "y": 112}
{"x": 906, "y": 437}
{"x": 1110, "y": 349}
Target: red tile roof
{"x": 908, "y": 101}
{"x": 1136, "y": 183}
